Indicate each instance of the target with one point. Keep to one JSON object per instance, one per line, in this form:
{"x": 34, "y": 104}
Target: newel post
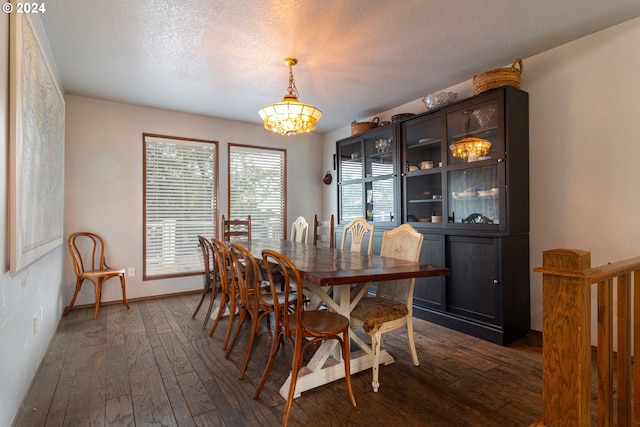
{"x": 566, "y": 333}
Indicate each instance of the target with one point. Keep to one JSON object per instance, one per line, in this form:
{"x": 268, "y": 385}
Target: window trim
{"x": 284, "y": 176}
{"x": 216, "y": 144}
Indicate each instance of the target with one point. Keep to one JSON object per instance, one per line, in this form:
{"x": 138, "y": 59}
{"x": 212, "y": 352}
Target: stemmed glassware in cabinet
{"x": 484, "y": 116}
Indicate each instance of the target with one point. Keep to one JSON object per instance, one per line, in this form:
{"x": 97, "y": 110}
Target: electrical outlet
{"x": 131, "y": 272}
{"x": 35, "y": 324}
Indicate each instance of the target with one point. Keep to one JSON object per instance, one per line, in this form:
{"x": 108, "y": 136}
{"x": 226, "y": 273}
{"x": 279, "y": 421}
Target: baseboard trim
{"x": 147, "y": 298}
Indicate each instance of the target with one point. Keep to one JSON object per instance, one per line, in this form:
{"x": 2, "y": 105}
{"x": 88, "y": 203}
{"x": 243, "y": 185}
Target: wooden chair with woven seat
{"x": 234, "y": 229}
{"x": 392, "y": 307}
{"x": 323, "y": 233}
{"x": 229, "y": 295}
{"x": 211, "y": 278}
{"x": 358, "y": 229}
{"x": 302, "y": 328}
{"x": 88, "y": 254}
{"x": 256, "y": 299}
{"x": 300, "y": 230}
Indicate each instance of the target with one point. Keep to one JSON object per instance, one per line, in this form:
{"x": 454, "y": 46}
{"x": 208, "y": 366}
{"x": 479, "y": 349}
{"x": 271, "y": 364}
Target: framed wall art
{"x": 36, "y": 148}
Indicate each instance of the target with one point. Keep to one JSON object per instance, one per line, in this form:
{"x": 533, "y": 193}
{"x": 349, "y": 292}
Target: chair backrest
{"x": 403, "y": 242}
{"x": 208, "y": 258}
{"x": 235, "y": 229}
{"x": 300, "y": 230}
{"x": 283, "y": 289}
{"x": 323, "y": 234}
{"x": 222, "y": 257}
{"x": 247, "y": 275}
{"x": 87, "y": 251}
{"x": 358, "y": 228}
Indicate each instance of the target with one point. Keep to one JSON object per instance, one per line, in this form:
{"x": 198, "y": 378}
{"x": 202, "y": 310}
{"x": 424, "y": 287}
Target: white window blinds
{"x": 257, "y": 178}
{"x": 179, "y": 203}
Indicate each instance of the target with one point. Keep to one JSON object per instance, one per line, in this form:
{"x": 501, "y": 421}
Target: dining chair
{"x": 358, "y": 229}
{"x": 392, "y": 307}
{"x": 323, "y": 234}
{"x": 88, "y": 254}
{"x": 211, "y": 278}
{"x": 256, "y": 299}
{"x": 301, "y": 328}
{"x": 229, "y": 294}
{"x": 300, "y": 229}
{"x": 233, "y": 229}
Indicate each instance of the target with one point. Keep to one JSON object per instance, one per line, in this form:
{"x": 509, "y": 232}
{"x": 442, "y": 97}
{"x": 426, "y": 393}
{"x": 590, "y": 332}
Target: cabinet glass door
{"x": 380, "y": 175}
{"x": 380, "y": 200}
{"x": 379, "y": 156}
{"x": 367, "y": 176}
{"x": 350, "y": 162}
{"x": 423, "y": 171}
{"x": 350, "y": 178}
{"x": 474, "y": 196}
{"x": 475, "y": 165}
{"x": 472, "y": 134}
{"x": 351, "y": 201}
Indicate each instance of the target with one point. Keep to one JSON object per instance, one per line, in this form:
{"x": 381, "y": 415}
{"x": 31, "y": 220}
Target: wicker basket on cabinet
{"x": 359, "y": 127}
{"x": 509, "y": 76}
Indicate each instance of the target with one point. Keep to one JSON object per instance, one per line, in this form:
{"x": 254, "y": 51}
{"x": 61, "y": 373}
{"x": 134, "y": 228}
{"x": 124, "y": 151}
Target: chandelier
{"x": 290, "y": 116}
{"x": 470, "y": 146}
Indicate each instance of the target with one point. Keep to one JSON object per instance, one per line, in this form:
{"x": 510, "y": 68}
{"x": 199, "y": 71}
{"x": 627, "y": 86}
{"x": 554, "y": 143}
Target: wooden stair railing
{"x": 566, "y": 333}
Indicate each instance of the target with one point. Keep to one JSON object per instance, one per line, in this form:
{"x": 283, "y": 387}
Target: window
{"x": 257, "y": 187}
{"x": 180, "y": 184}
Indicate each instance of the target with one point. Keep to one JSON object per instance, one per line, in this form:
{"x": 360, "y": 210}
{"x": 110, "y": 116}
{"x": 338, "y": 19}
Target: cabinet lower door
{"x": 473, "y": 287}
{"x": 429, "y": 292}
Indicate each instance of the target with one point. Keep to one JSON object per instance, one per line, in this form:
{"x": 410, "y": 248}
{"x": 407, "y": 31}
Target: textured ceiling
{"x": 356, "y": 57}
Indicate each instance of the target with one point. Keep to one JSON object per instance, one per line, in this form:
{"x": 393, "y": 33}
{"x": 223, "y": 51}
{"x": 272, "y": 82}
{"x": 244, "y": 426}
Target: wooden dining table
{"x": 348, "y": 274}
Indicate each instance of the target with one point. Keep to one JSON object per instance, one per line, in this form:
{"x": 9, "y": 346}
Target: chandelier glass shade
{"x": 290, "y": 116}
{"x": 470, "y": 146}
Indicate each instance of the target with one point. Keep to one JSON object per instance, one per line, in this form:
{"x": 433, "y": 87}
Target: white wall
{"x": 21, "y": 294}
{"x": 585, "y": 125}
{"x": 103, "y": 174}
{"x": 584, "y": 117}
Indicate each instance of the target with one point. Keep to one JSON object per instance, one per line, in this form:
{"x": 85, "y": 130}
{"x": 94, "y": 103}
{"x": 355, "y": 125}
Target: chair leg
{"x": 295, "y": 368}
{"x": 275, "y": 346}
{"x": 346, "y": 356}
{"x": 214, "y": 295}
{"x": 269, "y": 324}
{"x": 255, "y": 323}
{"x": 75, "y": 295}
{"x": 98, "y": 297}
{"x": 232, "y": 312}
{"x": 375, "y": 345}
{"x": 204, "y": 294}
{"x": 412, "y": 343}
{"x": 124, "y": 291}
{"x": 221, "y": 307}
{"x": 242, "y": 316}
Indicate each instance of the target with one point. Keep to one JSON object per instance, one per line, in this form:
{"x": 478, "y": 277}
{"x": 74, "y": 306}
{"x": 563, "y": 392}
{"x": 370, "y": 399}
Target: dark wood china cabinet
{"x": 460, "y": 175}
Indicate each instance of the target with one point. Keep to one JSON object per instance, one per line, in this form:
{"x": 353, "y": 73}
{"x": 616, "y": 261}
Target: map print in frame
{"x": 36, "y": 152}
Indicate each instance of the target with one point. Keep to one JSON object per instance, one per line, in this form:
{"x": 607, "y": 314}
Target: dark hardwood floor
{"x": 154, "y": 365}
